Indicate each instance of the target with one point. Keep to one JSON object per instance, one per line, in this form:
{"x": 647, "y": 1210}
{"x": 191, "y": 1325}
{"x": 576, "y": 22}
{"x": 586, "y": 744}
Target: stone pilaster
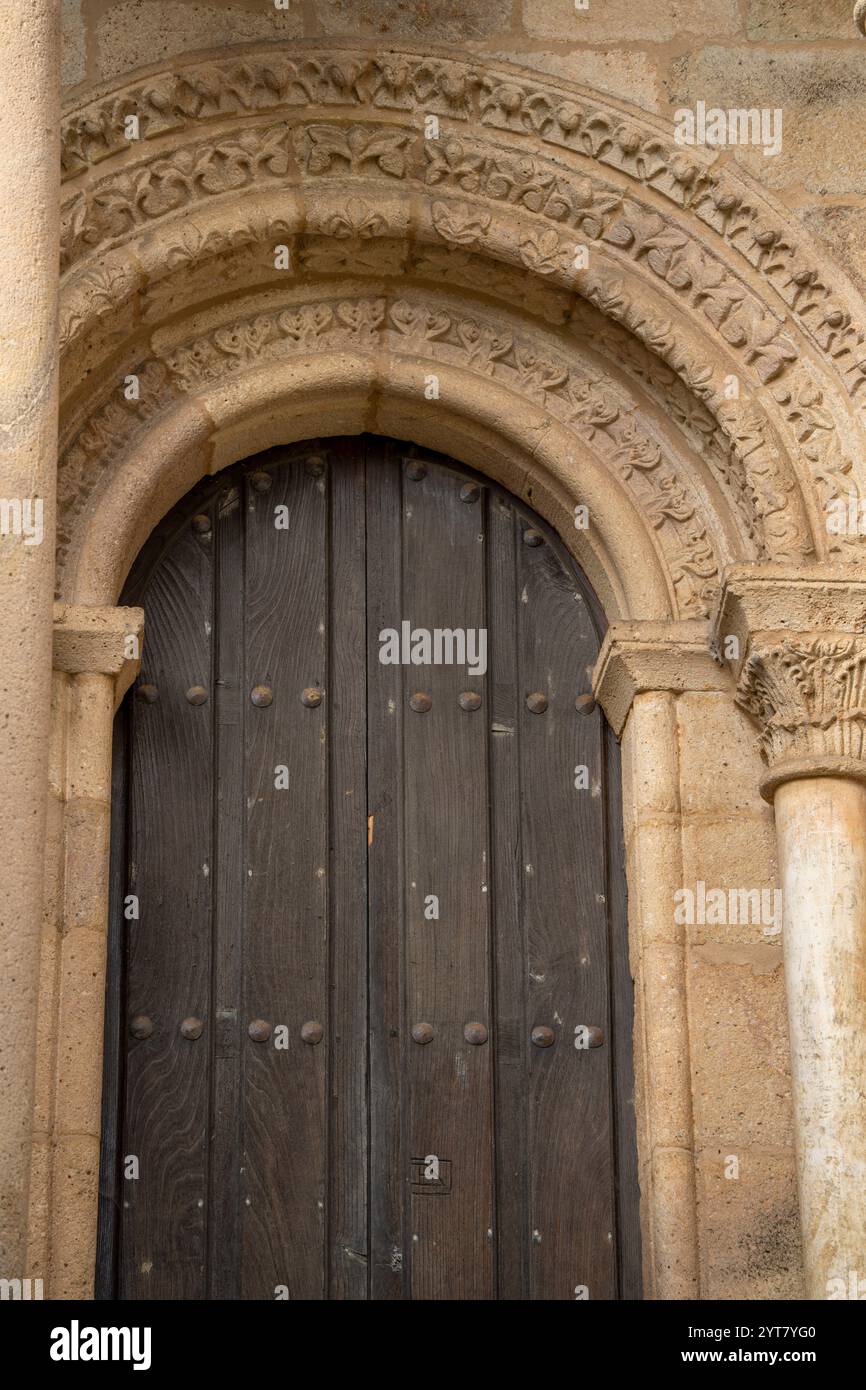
{"x": 641, "y": 670}
{"x": 96, "y": 658}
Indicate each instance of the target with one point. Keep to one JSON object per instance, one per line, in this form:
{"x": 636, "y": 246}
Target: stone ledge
{"x": 96, "y": 640}
{"x": 641, "y": 656}
{"x": 818, "y": 599}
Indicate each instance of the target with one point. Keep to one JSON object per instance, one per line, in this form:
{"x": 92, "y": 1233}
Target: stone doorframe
{"x": 537, "y": 281}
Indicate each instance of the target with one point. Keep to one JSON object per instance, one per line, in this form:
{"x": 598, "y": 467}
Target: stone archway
{"x": 654, "y": 307}
{"x": 506, "y": 268}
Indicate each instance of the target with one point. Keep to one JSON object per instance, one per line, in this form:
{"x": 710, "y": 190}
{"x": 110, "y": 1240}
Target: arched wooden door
{"x": 369, "y": 1020}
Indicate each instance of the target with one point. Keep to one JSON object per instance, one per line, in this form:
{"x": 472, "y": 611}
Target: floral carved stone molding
{"x": 499, "y": 98}
{"x": 808, "y": 696}
{"x": 800, "y": 659}
{"x": 601, "y": 414}
{"x": 690, "y": 278}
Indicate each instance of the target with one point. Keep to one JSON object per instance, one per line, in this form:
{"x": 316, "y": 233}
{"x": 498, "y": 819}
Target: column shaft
{"x": 29, "y": 258}
{"x": 821, "y": 830}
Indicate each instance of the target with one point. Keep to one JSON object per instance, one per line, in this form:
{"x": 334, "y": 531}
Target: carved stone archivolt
{"x": 655, "y": 309}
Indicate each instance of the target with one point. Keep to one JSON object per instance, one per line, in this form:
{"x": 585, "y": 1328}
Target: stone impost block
{"x": 96, "y": 639}
{"x": 641, "y": 656}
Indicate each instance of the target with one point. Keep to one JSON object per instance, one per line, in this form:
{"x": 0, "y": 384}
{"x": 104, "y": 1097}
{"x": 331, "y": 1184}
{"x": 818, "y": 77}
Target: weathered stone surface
{"x": 29, "y": 242}
{"x": 799, "y": 19}
{"x": 638, "y": 657}
{"x": 750, "y": 1236}
{"x": 80, "y": 1026}
{"x": 438, "y": 21}
{"x": 75, "y": 1173}
{"x": 733, "y": 853}
{"x": 822, "y": 853}
{"x": 39, "y": 1214}
{"x": 87, "y": 840}
{"x": 820, "y": 94}
{"x": 626, "y": 73}
{"x": 717, "y": 743}
{"x": 136, "y": 33}
{"x": 620, "y": 21}
{"x": 652, "y": 448}
{"x": 799, "y": 665}
{"x": 95, "y": 639}
{"x": 73, "y": 39}
{"x": 843, "y": 229}
{"x": 741, "y": 1076}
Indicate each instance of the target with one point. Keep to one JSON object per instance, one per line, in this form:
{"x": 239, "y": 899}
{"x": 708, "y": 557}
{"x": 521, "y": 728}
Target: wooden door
{"x": 368, "y": 1031}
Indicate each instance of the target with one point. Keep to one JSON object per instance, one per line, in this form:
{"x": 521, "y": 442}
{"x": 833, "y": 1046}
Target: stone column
{"x": 795, "y": 639}
{"x": 29, "y": 258}
{"x": 96, "y": 657}
{"x": 641, "y": 669}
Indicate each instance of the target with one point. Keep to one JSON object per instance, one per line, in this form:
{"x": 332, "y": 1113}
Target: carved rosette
{"x": 808, "y": 695}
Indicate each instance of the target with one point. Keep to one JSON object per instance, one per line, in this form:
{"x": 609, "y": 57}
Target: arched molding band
{"x": 742, "y": 432}
{"x": 606, "y": 412}
{"x": 520, "y": 448}
{"x": 549, "y": 118}
{"x": 694, "y": 280}
{"x": 704, "y": 500}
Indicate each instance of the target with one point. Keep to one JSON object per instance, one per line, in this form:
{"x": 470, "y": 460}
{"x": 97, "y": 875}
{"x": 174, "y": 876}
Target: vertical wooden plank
{"x": 347, "y": 879}
{"x": 565, "y": 885}
{"x": 388, "y": 1026}
{"x": 446, "y": 856}
{"x": 230, "y": 701}
{"x": 170, "y": 841}
{"x": 114, "y": 1042}
{"x": 511, "y": 1226}
{"x": 629, "y": 1281}
{"x": 285, "y": 944}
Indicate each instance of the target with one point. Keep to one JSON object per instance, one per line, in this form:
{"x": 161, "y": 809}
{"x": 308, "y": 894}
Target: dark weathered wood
{"x": 390, "y": 1236}
{"x": 110, "y": 1177}
{"x": 168, "y": 948}
{"x": 301, "y": 1167}
{"x": 286, "y": 916}
{"x": 630, "y": 1284}
{"x": 506, "y": 880}
{"x": 225, "y": 1222}
{"x": 446, "y": 854}
{"x": 347, "y": 880}
{"x": 566, "y": 925}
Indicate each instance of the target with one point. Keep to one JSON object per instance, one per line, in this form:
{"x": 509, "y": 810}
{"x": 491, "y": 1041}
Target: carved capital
{"x": 808, "y": 695}
{"x": 796, "y": 640}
